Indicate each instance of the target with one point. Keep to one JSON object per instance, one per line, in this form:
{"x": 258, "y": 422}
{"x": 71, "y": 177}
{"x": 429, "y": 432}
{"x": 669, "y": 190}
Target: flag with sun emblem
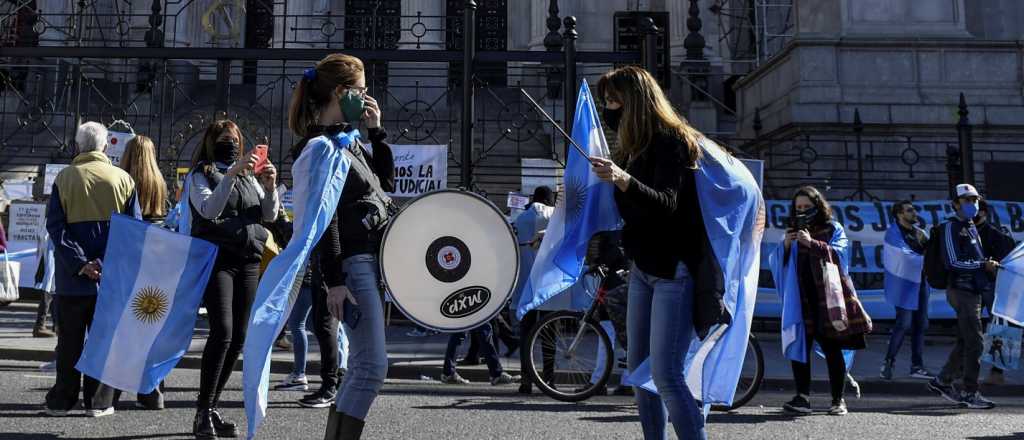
{"x": 586, "y": 208}
{"x": 153, "y": 281}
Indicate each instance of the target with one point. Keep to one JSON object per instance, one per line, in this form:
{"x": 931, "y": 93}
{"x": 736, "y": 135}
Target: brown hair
{"x": 204, "y": 156}
{"x": 824, "y": 209}
{"x": 139, "y": 160}
{"x": 646, "y": 111}
{"x": 316, "y": 88}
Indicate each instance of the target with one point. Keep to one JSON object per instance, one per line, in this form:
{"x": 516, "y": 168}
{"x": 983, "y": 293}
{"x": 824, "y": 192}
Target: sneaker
{"x": 323, "y": 398}
{"x": 454, "y": 379}
{"x": 100, "y": 412}
{"x": 55, "y": 412}
{"x": 283, "y": 344}
{"x": 505, "y": 379}
{"x": 293, "y": 383}
{"x": 48, "y": 367}
{"x": 946, "y": 391}
{"x": 887, "y": 367}
{"x": 838, "y": 408}
{"x": 623, "y": 390}
{"x": 42, "y": 332}
{"x": 976, "y": 401}
{"x": 799, "y": 405}
{"x": 921, "y": 373}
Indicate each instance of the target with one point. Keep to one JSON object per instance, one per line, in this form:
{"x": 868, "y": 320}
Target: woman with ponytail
{"x": 326, "y": 106}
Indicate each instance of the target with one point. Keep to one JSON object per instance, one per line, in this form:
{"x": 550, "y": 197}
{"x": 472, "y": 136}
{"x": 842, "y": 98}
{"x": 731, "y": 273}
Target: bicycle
{"x": 577, "y": 356}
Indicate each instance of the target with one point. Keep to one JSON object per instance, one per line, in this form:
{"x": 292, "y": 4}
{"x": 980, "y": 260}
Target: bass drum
{"x": 450, "y": 260}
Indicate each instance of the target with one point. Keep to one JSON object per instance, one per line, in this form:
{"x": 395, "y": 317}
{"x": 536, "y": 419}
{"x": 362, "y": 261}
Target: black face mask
{"x": 225, "y": 152}
{"x": 612, "y": 117}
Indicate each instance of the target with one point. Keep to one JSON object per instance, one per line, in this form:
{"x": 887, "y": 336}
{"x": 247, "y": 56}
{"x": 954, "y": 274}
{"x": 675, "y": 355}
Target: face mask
{"x": 969, "y": 209}
{"x": 351, "y": 106}
{"x": 225, "y": 152}
{"x": 612, "y": 118}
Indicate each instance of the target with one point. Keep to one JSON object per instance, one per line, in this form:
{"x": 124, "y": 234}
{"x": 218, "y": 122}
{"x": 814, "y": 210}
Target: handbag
{"x": 9, "y": 272}
{"x": 1002, "y": 345}
{"x": 834, "y": 300}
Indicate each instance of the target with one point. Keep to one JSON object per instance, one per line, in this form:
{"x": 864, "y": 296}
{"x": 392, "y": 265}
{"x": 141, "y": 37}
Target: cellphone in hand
{"x": 261, "y": 152}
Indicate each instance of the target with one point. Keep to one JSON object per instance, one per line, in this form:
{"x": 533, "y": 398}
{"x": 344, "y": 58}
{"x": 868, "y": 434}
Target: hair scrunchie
{"x": 309, "y": 74}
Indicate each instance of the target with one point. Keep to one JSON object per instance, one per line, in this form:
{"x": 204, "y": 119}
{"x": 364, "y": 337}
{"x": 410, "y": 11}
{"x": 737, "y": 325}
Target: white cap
{"x": 966, "y": 190}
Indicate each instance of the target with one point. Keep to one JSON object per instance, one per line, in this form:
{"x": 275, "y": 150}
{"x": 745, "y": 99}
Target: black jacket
{"x": 369, "y": 176}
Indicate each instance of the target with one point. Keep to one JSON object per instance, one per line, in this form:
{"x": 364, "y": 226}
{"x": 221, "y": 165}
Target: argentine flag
{"x": 1009, "y": 302}
{"x": 586, "y": 208}
{"x": 903, "y": 269}
{"x": 153, "y": 281}
{"x": 733, "y": 211}
{"x": 319, "y": 176}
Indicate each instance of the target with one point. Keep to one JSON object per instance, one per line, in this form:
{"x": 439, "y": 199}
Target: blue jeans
{"x": 914, "y": 321}
{"x": 297, "y": 325}
{"x": 482, "y": 335}
{"x": 660, "y": 325}
{"x": 368, "y": 363}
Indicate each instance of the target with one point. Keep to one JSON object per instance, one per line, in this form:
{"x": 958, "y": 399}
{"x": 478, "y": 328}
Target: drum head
{"x": 450, "y": 260}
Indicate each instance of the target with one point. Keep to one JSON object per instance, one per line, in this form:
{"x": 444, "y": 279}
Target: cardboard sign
{"x": 50, "y": 174}
{"x": 116, "y": 141}
{"x": 419, "y": 169}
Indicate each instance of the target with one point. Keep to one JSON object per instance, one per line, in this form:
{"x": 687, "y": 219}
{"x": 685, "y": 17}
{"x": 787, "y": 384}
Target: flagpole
{"x": 552, "y": 121}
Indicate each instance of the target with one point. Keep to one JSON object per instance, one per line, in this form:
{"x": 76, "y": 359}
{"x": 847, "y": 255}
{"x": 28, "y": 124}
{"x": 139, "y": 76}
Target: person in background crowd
{"x": 84, "y": 196}
{"x": 139, "y": 161}
{"x": 997, "y": 243}
{"x": 229, "y": 207}
{"x": 327, "y": 103}
{"x": 818, "y": 239}
{"x": 969, "y": 268}
{"x": 914, "y": 320}
{"x": 44, "y": 284}
{"x": 527, "y": 225}
{"x": 482, "y": 336}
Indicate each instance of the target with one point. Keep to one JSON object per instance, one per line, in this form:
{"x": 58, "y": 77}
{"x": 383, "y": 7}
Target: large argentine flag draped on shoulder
{"x": 147, "y": 304}
{"x": 903, "y": 269}
{"x": 586, "y": 208}
{"x": 733, "y": 211}
{"x": 319, "y": 176}
{"x": 1009, "y": 302}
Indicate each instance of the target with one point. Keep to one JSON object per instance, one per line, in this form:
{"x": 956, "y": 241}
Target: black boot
{"x": 223, "y": 427}
{"x": 351, "y": 428}
{"x": 334, "y": 419}
{"x": 202, "y": 428}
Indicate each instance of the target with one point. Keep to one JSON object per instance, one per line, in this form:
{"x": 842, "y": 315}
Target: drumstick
{"x": 552, "y": 121}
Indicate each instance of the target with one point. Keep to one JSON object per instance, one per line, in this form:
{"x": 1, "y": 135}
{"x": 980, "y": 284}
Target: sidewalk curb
{"x": 869, "y": 386}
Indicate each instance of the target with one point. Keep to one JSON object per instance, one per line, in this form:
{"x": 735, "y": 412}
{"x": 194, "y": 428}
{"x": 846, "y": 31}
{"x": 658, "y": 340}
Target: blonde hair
{"x": 139, "y": 160}
{"x": 316, "y": 88}
{"x": 645, "y": 112}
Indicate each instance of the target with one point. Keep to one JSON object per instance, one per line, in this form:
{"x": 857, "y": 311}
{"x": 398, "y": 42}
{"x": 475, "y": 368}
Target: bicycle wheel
{"x": 567, "y": 357}
{"x": 751, "y": 377}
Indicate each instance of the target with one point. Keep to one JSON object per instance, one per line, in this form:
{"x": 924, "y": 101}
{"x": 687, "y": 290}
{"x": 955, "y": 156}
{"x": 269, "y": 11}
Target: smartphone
{"x": 261, "y": 152}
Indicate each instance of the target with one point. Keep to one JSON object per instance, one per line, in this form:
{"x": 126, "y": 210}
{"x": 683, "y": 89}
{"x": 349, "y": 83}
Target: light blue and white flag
{"x": 734, "y": 216}
{"x": 903, "y": 269}
{"x": 1009, "y": 302}
{"x": 318, "y": 175}
{"x": 794, "y": 335}
{"x": 587, "y": 207}
{"x": 153, "y": 281}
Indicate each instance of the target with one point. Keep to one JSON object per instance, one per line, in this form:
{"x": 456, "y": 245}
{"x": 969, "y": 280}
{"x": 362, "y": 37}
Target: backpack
{"x": 935, "y": 271}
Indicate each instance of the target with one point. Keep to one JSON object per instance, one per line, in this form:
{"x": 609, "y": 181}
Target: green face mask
{"x": 351, "y": 106}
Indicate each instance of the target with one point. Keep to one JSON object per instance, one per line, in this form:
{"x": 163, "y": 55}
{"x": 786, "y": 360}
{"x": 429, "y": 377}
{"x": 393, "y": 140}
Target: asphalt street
{"x": 410, "y": 409}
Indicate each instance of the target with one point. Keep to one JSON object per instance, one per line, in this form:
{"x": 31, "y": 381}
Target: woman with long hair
{"x": 663, "y": 234}
{"x": 229, "y": 206}
{"x": 326, "y": 105}
{"x": 818, "y": 242}
{"x": 139, "y": 161}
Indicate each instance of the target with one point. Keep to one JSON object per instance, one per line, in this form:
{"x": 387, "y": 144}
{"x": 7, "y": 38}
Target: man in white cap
{"x": 967, "y": 265}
